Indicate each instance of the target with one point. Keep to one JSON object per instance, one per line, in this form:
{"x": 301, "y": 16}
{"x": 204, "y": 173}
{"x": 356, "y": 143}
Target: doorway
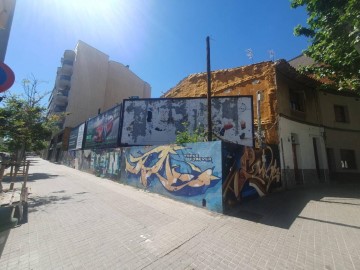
{"x": 295, "y": 152}
{"x": 317, "y": 163}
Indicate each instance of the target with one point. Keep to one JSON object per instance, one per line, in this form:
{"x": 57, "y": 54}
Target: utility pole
{"x": 259, "y": 119}
{"x": 209, "y": 137}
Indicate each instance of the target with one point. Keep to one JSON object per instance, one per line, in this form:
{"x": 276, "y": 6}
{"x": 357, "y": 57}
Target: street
{"x": 80, "y": 221}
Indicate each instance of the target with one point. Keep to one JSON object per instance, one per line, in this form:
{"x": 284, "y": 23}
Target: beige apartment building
{"x": 88, "y": 83}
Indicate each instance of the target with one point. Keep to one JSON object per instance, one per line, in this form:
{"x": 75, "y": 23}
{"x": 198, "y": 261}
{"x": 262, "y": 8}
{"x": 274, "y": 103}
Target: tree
{"x": 185, "y": 136}
{"x": 24, "y": 125}
{"x": 23, "y": 122}
{"x": 334, "y": 32}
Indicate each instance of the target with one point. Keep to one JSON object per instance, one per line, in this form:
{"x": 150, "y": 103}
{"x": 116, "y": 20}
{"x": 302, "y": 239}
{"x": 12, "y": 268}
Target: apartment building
{"x": 88, "y": 83}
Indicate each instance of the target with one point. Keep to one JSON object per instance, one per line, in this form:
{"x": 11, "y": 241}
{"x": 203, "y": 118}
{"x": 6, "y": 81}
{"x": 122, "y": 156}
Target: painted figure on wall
{"x": 105, "y": 163}
{"x": 68, "y": 158}
{"x": 254, "y": 172}
{"x": 174, "y": 167}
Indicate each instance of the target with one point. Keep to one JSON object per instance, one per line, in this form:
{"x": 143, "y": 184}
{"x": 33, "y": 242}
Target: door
{"x": 331, "y": 163}
{"x": 298, "y": 178}
{"x": 316, "y": 155}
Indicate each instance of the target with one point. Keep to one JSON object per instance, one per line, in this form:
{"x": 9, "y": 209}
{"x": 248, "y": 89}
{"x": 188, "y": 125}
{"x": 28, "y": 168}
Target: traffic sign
{"x": 7, "y": 77}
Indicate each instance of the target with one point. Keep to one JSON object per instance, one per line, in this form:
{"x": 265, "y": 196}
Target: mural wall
{"x": 214, "y": 175}
{"x": 106, "y": 163}
{"x": 250, "y": 173}
{"x": 156, "y": 121}
{"x": 190, "y": 173}
{"x": 77, "y": 159}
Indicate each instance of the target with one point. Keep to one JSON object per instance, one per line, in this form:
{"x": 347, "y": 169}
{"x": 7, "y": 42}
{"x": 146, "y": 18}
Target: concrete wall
{"x": 298, "y": 139}
{"x": 214, "y": 175}
{"x": 191, "y": 173}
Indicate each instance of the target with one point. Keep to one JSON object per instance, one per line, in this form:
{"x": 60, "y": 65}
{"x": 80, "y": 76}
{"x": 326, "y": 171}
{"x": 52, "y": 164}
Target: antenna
{"x": 250, "y": 54}
{"x": 272, "y": 55}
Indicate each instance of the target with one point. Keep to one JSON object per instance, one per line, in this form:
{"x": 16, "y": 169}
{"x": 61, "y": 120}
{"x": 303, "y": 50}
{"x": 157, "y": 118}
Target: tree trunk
{"x": 2, "y": 171}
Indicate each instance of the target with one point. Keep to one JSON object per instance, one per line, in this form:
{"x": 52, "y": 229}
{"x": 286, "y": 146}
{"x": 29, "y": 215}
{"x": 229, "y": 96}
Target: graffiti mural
{"x": 254, "y": 172}
{"x": 190, "y": 172}
{"x": 210, "y": 174}
{"x": 106, "y": 163}
{"x": 82, "y": 161}
{"x": 68, "y": 158}
{"x": 77, "y": 159}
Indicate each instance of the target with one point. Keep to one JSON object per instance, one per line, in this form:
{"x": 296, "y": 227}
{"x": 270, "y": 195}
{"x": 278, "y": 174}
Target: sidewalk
{"x": 80, "y": 221}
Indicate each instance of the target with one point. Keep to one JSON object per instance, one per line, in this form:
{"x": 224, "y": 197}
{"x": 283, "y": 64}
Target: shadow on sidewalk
{"x": 282, "y": 208}
{"x": 36, "y": 202}
{"x": 31, "y": 177}
{"x": 3, "y": 238}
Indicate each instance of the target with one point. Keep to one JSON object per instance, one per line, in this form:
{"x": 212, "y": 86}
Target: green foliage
{"x": 334, "y": 32}
{"x": 23, "y": 122}
{"x": 184, "y": 136}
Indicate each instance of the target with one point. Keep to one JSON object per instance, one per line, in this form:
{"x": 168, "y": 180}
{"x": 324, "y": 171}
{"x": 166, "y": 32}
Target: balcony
{"x": 59, "y": 108}
{"x": 63, "y": 81}
{"x": 69, "y": 55}
{"x": 60, "y": 99}
{"x": 67, "y": 67}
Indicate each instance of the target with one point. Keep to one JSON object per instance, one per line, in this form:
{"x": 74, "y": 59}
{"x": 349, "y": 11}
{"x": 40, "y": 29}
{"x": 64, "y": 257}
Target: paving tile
{"x": 79, "y": 221}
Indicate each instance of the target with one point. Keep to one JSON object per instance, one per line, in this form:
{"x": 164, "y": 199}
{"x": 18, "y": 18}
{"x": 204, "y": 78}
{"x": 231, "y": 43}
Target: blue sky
{"x": 163, "y": 41}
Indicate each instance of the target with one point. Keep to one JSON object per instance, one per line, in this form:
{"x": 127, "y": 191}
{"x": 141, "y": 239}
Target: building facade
{"x": 341, "y": 121}
{"x": 294, "y": 116}
{"x": 7, "y": 8}
{"x": 88, "y": 83}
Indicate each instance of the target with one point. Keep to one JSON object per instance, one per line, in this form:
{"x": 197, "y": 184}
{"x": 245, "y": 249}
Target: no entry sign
{"x": 7, "y": 77}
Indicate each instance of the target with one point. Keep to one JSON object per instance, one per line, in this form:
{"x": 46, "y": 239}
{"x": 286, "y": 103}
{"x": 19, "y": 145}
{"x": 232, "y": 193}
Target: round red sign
{"x": 7, "y": 77}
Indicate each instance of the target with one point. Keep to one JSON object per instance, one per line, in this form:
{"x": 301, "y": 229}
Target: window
{"x": 347, "y": 158}
{"x": 297, "y": 100}
{"x": 341, "y": 114}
